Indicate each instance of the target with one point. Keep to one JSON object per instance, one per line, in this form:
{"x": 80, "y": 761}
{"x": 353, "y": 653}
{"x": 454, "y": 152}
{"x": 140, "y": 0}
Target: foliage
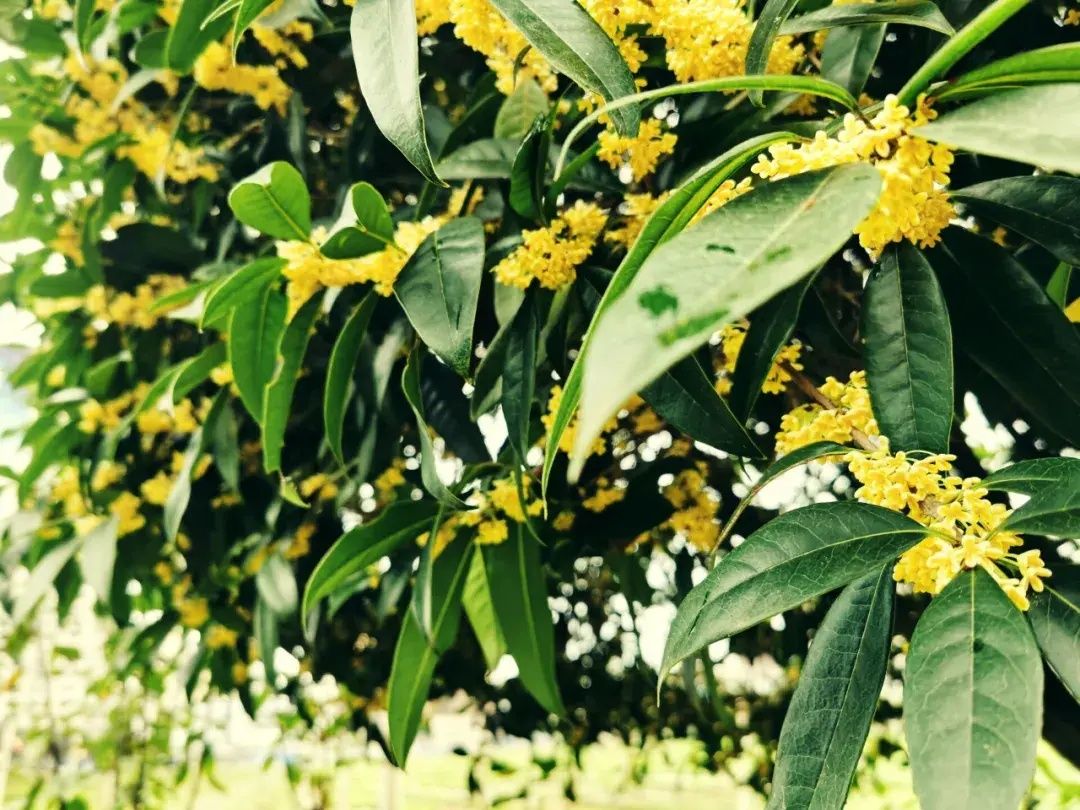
{"x": 364, "y": 323}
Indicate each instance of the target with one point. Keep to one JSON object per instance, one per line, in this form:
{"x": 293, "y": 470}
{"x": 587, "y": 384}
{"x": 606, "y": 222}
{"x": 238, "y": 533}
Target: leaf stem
{"x": 958, "y": 46}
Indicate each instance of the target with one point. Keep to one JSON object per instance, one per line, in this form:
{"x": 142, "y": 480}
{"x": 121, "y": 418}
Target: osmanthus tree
{"x": 343, "y": 371}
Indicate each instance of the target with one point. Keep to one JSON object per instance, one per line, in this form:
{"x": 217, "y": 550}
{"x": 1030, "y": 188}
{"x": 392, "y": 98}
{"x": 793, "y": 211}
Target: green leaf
{"x": 340, "y": 371}
{"x": 276, "y": 584}
{"x": 669, "y": 218}
{"x": 480, "y": 611}
{"x": 42, "y": 576}
{"x": 246, "y": 14}
{"x": 575, "y": 45}
{"x": 1053, "y": 507}
{"x": 1055, "y": 619}
{"x": 794, "y": 557}
{"x": 520, "y": 109}
{"x": 365, "y": 225}
{"x": 188, "y": 37}
{"x": 734, "y": 260}
{"x": 1005, "y": 322}
{"x": 972, "y": 699}
{"x": 97, "y": 558}
{"x": 516, "y": 578}
{"x": 416, "y": 655}
{"x": 684, "y": 395}
{"x": 265, "y": 624}
{"x": 279, "y": 390}
{"x": 255, "y": 331}
{"x": 1017, "y": 125}
{"x": 529, "y": 172}
{"x": 773, "y": 15}
{"x": 908, "y": 351}
{"x": 1031, "y": 475}
{"x": 410, "y": 385}
{"x": 180, "y": 493}
{"x": 84, "y": 15}
{"x": 770, "y": 329}
{"x": 920, "y": 13}
{"x": 519, "y": 376}
{"x": 849, "y": 54}
{"x": 1057, "y": 63}
{"x": 835, "y": 699}
{"x": 275, "y": 201}
{"x": 439, "y": 287}
{"x": 363, "y": 545}
{"x": 239, "y": 288}
{"x": 485, "y": 159}
{"x": 384, "y": 47}
{"x": 1043, "y": 208}
{"x": 1058, "y": 285}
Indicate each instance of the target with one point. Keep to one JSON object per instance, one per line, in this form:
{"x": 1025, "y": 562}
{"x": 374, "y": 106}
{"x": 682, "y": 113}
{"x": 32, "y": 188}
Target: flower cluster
{"x": 696, "y": 505}
{"x": 639, "y": 153}
{"x": 965, "y": 523}
{"x": 134, "y": 308}
{"x": 913, "y": 204}
{"x": 216, "y": 70}
{"x": 849, "y": 417}
{"x": 732, "y": 337}
{"x": 487, "y": 518}
{"x": 551, "y": 255}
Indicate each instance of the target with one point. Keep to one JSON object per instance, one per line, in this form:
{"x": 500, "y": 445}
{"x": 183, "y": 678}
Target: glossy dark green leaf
{"x": 384, "y": 47}
{"x": 416, "y": 654}
{"x": 480, "y": 610}
{"x": 255, "y": 331}
{"x": 794, "y": 557}
{"x": 190, "y": 35}
{"x": 770, "y": 329}
{"x": 919, "y": 13}
{"x": 485, "y": 159}
{"x": 1055, "y": 619}
{"x": 246, "y": 13}
{"x": 734, "y": 260}
{"x": 1036, "y": 125}
{"x": 363, "y": 545}
{"x": 340, "y": 371}
{"x": 487, "y": 383}
{"x": 575, "y": 44}
{"x": 1005, "y": 322}
{"x": 1056, "y": 63}
{"x": 520, "y": 109}
{"x": 279, "y": 390}
{"x": 519, "y": 376}
{"x": 670, "y": 217}
{"x": 972, "y": 699}
{"x": 439, "y": 287}
{"x": 1053, "y": 507}
{"x": 276, "y": 584}
{"x": 1043, "y": 208}
{"x": 275, "y": 201}
{"x": 265, "y": 625}
{"x": 1031, "y": 475}
{"x": 835, "y": 698}
{"x": 849, "y": 54}
{"x": 365, "y": 225}
{"x": 518, "y": 591}
{"x": 684, "y": 395}
{"x": 1058, "y": 285}
{"x": 529, "y": 171}
{"x": 410, "y": 385}
{"x": 908, "y": 351}
{"x": 773, "y": 15}
{"x": 246, "y": 284}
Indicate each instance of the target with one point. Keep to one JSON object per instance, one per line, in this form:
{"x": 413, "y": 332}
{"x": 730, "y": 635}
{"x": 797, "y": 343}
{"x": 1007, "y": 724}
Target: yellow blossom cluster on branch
{"x": 913, "y": 204}
{"x": 732, "y": 337}
{"x": 850, "y": 416}
{"x": 640, "y": 153}
{"x": 552, "y": 255}
{"x": 966, "y": 524}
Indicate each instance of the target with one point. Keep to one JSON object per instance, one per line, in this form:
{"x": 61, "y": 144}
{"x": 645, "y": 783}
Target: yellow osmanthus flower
{"x": 640, "y": 153}
{"x": 479, "y": 25}
{"x": 387, "y": 482}
{"x": 725, "y": 192}
{"x": 708, "y": 39}
{"x": 619, "y": 18}
{"x": 94, "y": 415}
{"x": 300, "y": 544}
{"x": 696, "y": 506}
{"x": 732, "y": 337}
{"x": 913, "y": 204}
{"x": 1072, "y": 311}
{"x": 164, "y": 572}
{"x": 851, "y": 416}
{"x": 68, "y": 242}
{"x": 966, "y": 524}
{"x": 132, "y": 309}
{"x": 156, "y": 490}
{"x": 431, "y": 15}
{"x": 634, "y": 213}
{"x": 319, "y": 485}
{"x": 551, "y": 255}
{"x": 566, "y": 441}
{"x": 503, "y": 495}
{"x": 607, "y": 493}
{"x": 216, "y": 70}
{"x": 284, "y": 43}
{"x": 194, "y": 611}
{"x": 218, "y": 637}
{"x": 154, "y": 147}
{"x": 67, "y": 492}
{"x": 106, "y": 474}
{"x": 126, "y": 508}
{"x": 308, "y": 270}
